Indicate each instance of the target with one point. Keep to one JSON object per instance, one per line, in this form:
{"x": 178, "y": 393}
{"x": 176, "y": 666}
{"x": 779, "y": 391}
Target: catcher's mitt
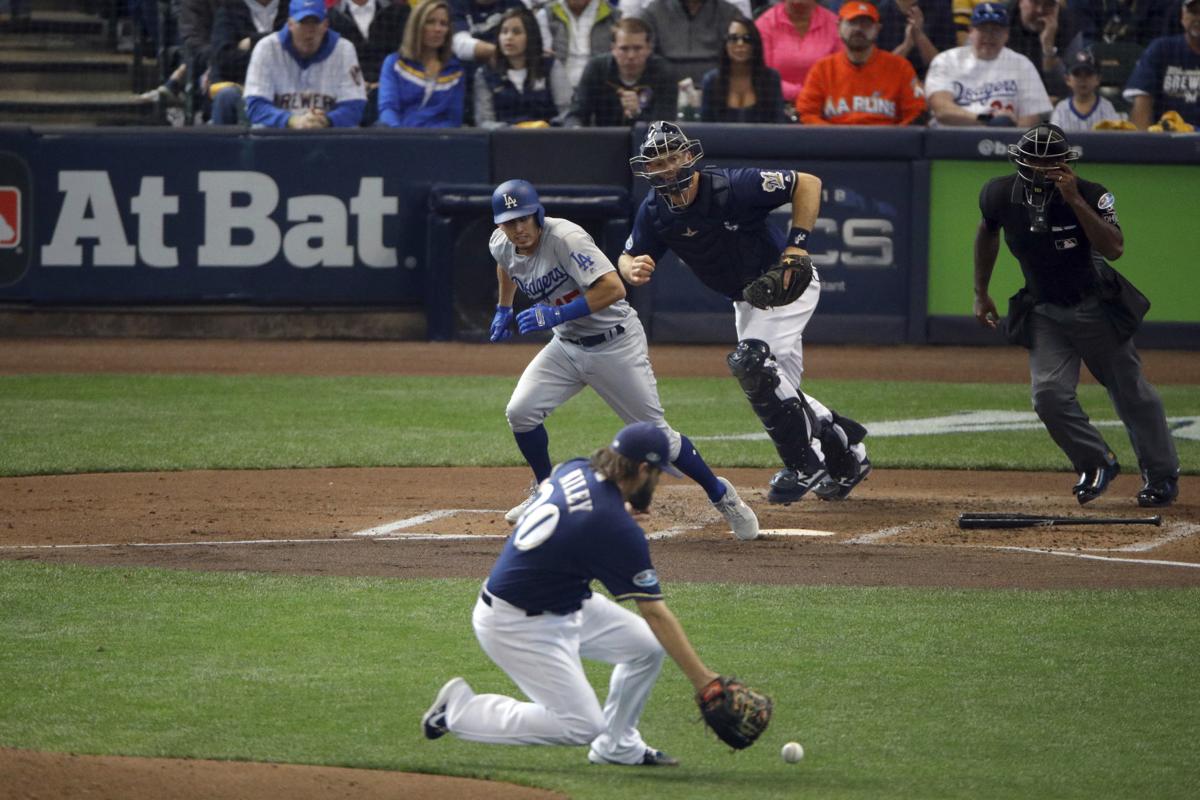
{"x": 775, "y": 287}
{"x": 736, "y": 713}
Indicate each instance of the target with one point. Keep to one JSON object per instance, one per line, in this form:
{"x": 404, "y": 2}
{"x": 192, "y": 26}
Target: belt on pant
{"x": 599, "y": 338}
{"x": 487, "y": 600}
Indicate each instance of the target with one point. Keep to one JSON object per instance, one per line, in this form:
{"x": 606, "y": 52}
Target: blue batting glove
{"x": 500, "y": 323}
{"x": 539, "y": 318}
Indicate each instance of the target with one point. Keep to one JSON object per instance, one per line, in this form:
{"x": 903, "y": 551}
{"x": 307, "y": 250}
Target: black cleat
{"x": 789, "y": 485}
{"x": 839, "y": 488}
{"x": 1094, "y": 482}
{"x": 1158, "y": 493}
{"x": 433, "y": 723}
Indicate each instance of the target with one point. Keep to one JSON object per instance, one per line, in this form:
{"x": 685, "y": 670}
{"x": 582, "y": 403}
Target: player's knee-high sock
{"x": 692, "y": 464}
{"x": 535, "y": 446}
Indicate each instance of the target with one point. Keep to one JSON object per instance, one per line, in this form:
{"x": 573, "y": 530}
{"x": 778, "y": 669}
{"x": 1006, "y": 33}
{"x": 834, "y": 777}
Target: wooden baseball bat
{"x": 979, "y": 521}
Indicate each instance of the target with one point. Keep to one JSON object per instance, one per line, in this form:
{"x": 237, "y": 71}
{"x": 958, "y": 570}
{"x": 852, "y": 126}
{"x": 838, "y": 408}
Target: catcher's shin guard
{"x": 836, "y": 438}
{"x": 789, "y": 422}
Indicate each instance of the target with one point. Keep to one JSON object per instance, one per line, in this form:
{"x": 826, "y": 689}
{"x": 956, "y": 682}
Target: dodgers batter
{"x": 716, "y": 222}
{"x": 598, "y": 341}
{"x": 536, "y": 616}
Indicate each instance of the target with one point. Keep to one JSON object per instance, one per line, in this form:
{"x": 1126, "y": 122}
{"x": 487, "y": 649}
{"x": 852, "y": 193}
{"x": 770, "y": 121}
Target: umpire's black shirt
{"x": 1057, "y": 264}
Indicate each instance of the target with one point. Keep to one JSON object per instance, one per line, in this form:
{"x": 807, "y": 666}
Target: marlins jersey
{"x": 1008, "y": 82}
{"x": 723, "y": 235}
{"x": 562, "y": 268}
{"x": 883, "y": 91}
{"x": 1057, "y": 264}
{"x": 290, "y": 84}
{"x": 576, "y": 531}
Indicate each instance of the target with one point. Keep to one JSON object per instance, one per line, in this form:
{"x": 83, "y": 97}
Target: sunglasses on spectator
{"x": 744, "y": 38}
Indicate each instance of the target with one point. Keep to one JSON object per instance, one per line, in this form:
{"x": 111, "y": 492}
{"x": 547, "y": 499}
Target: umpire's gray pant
{"x": 1062, "y": 336}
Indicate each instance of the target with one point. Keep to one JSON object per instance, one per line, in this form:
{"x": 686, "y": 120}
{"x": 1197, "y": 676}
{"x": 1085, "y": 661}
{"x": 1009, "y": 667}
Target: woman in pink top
{"x": 795, "y": 33}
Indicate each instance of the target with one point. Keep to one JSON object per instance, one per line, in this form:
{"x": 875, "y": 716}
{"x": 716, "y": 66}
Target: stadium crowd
{"x": 1084, "y": 64}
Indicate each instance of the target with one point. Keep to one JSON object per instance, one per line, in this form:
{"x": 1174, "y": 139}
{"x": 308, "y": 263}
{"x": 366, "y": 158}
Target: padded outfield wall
{"x": 153, "y": 219}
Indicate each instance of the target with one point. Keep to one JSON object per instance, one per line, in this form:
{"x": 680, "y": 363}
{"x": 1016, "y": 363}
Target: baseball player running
{"x": 536, "y": 617}
{"x": 716, "y": 221}
{"x": 598, "y": 341}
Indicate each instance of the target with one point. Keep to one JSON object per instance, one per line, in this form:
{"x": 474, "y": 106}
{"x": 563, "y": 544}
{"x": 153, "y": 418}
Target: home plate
{"x": 793, "y": 532}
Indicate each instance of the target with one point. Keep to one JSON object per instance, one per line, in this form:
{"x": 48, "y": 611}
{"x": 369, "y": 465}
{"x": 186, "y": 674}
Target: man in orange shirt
{"x": 862, "y": 85}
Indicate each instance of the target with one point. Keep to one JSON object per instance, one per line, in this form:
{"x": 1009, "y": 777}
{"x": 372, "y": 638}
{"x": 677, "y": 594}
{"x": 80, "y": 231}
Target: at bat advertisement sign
{"x": 15, "y": 252}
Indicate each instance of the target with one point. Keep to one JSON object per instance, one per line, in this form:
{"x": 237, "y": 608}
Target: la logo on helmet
{"x": 510, "y": 201}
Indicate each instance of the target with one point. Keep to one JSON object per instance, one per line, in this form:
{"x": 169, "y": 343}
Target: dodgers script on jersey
{"x": 1009, "y": 82}
{"x": 321, "y": 82}
{"x": 723, "y": 235}
{"x": 576, "y": 531}
{"x": 565, "y": 264}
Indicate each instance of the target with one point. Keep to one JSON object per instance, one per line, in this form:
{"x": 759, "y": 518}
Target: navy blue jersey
{"x": 724, "y": 235}
{"x": 576, "y": 531}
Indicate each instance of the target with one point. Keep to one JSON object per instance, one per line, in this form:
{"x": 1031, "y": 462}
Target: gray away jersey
{"x": 562, "y": 268}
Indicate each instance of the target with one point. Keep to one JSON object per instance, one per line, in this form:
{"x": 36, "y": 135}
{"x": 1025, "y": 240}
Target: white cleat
{"x": 516, "y": 511}
{"x": 741, "y": 518}
{"x": 433, "y": 723}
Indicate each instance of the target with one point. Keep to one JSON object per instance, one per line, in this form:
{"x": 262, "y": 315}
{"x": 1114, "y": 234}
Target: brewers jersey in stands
{"x": 279, "y": 83}
{"x": 566, "y": 263}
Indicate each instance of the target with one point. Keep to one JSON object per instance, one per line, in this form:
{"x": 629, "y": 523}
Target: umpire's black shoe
{"x": 1094, "y": 482}
{"x": 789, "y": 485}
{"x": 651, "y": 758}
{"x": 1158, "y": 493}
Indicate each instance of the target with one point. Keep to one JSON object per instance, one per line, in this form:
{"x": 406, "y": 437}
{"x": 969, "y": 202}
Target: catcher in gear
{"x": 537, "y": 617}
{"x": 715, "y": 220}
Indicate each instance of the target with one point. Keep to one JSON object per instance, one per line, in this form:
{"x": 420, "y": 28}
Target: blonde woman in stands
{"x": 423, "y": 85}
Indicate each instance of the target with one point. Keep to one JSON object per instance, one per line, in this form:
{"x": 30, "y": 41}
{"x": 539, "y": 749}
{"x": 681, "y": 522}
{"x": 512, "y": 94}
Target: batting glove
{"x": 542, "y": 317}
{"x": 500, "y": 323}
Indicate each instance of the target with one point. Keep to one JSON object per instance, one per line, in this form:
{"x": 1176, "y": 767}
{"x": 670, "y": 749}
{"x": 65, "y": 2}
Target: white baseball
{"x": 792, "y": 752}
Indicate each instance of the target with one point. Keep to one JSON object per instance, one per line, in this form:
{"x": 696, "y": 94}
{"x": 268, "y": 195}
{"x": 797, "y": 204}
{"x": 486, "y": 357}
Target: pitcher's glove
{"x": 768, "y": 290}
{"x": 736, "y": 713}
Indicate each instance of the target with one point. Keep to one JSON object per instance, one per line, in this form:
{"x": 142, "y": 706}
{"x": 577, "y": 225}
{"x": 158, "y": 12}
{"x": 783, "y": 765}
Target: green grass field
{"x": 893, "y": 692}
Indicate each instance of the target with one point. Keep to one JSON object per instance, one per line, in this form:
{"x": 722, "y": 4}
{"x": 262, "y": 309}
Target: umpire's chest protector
{"x": 725, "y": 246}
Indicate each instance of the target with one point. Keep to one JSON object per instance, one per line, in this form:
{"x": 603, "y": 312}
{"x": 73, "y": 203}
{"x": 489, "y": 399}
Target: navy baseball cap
{"x": 643, "y": 441}
{"x": 989, "y": 14}
{"x": 300, "y": 10}
{"x": 1084, "y": 61}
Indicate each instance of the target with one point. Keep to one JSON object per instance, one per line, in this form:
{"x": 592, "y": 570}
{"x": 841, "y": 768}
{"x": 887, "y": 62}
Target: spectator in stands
{"x": 983, "y": 82}
{"x": 689, "y": 34}
{"x": 577, "y": 30}
{"x": 516, "y": 86}
{"x": 1084, "y": 108}
{"x": 795, "y": 35}
{"x": 748, "y": 8}
{"x": 743, "y": 88}
{"x": 1108, "y": 21}
{"x": 917, "y": 32}
{"x": 476, "y": 24}
{"x": 1167, "y": 76}
{"x": 237, "y": 28}
{"x": 1041, "y": 31}
{"x": 862, "y": 85}
{"x": 305, "y": 76}
{"x": 423, "y": 85}
{"x": 374, "y": 27}
{"x": 628, "y": 85}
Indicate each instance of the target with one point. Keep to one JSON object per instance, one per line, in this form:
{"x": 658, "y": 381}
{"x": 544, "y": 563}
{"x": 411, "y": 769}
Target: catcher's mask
{"x": 515, "y": 199}
{"x": 1041, "y": 148}
{"x": 668, "y": 160}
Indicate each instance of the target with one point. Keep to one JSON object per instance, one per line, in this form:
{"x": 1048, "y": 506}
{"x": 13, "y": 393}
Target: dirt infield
{"x": 897, "y": 529}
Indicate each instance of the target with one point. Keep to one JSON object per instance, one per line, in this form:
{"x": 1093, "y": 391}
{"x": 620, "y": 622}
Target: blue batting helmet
{"x": 515, "y": 199}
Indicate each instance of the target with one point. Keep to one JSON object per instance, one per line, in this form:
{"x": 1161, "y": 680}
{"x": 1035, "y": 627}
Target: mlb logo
{"x": 10, "y": 217}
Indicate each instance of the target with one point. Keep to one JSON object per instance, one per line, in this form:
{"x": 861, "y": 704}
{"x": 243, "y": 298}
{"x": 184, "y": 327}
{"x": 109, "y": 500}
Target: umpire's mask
{"x": 1043, "y": 147}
